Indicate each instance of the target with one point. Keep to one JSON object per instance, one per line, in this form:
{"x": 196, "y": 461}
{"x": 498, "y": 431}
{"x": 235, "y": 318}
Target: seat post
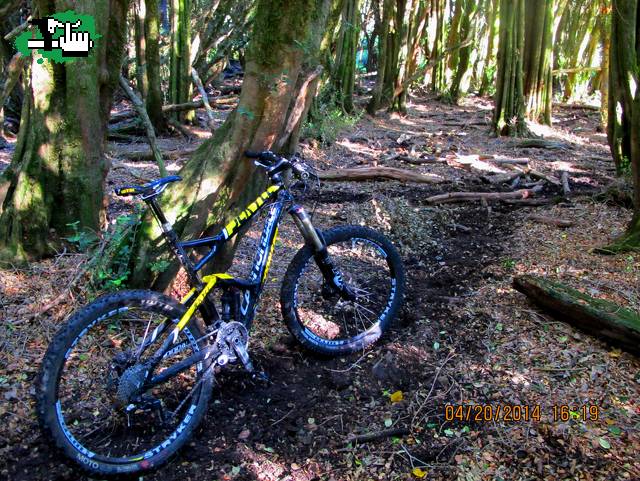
{"x": 157, "y": 211}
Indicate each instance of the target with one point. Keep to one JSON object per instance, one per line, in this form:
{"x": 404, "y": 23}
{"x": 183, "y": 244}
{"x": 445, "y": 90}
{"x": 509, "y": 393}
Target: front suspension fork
{"x": 330, "y": 272}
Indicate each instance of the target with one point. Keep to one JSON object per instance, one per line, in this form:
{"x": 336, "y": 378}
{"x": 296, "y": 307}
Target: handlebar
{"x": 275, "y": 164}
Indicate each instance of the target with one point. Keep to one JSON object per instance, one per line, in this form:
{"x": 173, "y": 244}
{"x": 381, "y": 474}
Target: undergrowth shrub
{"x": 327, "y": 118}
{"x": 108, "y": 257}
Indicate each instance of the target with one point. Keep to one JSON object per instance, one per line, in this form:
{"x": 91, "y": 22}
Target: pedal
{"x": 241, "y": 351}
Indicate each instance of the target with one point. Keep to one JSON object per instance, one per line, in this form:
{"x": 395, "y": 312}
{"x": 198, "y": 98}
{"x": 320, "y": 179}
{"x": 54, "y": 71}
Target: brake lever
{"x": 257, "y": 163}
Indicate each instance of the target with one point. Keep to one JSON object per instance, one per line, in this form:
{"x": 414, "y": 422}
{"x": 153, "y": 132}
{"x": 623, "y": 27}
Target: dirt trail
{"x": 463, "y": 337}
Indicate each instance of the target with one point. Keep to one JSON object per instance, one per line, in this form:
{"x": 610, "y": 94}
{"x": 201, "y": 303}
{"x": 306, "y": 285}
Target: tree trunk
{"x": 154, "y": 99}
{"x": 180, "y": 61}
{"x": 280, "y": 78}
{"x": 624, "y": 106}
{"x": 605, "y": 43}
{"x": 406, "y": 11}
{"x": 487, "y": 77}
{"x": 437, "y": 59}
{"x": 12, "y": 75}
{"x": 538, "y": 60}
{"x": 139, "y": 9}
{"x": 583, "y": 26}
{"x": 508, "y": 117}
{"x": 464, "y": 53}
{"x": 376, "y": 101}
{"x": 144, "y": 117}
{"x": 344, "y": 74}
{"x": 601, "y": 318}
{"x": 374, "y": 39}
{"x": 453, "y": 38}
{"x": 57, "y": 172}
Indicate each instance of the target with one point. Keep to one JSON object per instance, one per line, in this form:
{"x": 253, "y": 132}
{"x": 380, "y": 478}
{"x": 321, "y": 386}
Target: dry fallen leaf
{"x": 396, "y": 397}
{"x": 418, "y": 473}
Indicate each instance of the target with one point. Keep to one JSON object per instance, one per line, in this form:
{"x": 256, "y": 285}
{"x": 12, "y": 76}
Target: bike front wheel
{"x": 324, "y": 321}
{"x": 94, "y": 362}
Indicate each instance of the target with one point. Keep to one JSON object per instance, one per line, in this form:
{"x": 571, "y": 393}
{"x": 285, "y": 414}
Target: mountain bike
{"x": 126, "y": 381}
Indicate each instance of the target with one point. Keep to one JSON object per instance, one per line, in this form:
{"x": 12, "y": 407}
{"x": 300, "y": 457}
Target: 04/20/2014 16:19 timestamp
{"x": 520, "y": 412}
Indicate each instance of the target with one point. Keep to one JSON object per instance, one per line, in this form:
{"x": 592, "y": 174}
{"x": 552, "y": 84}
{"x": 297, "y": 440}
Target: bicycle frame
{"x": 250, "y": 289}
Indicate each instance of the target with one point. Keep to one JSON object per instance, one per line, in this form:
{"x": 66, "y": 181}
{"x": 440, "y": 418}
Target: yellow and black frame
{"x": 240, "y": 296}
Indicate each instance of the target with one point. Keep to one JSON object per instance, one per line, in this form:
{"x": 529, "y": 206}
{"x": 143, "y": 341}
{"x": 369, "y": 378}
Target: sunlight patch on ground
{"x": 551, "y": 133}
{"x": 357, "y": 148}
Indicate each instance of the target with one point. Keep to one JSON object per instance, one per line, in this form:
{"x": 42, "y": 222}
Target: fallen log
{"x": 217, "y": 102}
{"x": 500, "y": 178}
{"x": 540, "y": 175}
{"x": 378, "y": 173}
{"x": 524, "y": 161}
{"x": 575, "y": 106}
{"x": 117, "y": 136}
{"x": 538, "y": 144}
{"x": 144, "y": 116}
{"x": 529, "y": 202}
{"x": 482, "y": 196}
{"x": 604, "y": 319}
{"x": 147, "y": 154}
{"x": 387, "y": 433}
{"x": 430, "y": 159}
{"x": 130, "y": 127}
{"x": 551, "y": 221}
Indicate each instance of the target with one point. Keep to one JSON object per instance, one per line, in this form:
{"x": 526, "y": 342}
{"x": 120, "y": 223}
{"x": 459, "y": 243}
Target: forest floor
{"x": 464, "y": 337}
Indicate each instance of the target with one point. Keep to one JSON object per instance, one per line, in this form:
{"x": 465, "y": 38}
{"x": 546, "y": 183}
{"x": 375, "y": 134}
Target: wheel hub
{"x": 129, "y": 384}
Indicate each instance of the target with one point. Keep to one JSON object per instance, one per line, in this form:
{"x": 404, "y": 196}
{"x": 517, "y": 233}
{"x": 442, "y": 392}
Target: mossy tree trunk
{"x": 11, "y": 67}
{"x": 377, "y": 97}
{"x": 464, "y": 54}
{"x": 374, "y": 38}
{"x": 414, "y": 20}
{"x": 488, "y": 68}
{"x": 538, "y": 59}
{"x": 180, "y": 58}
{"x": 140, "y": 42}
{"x": 154, "y": 99}
{"x": 392, "y": 56}
{"x": 454, "y": 37}
{"x": 605, "y": 41}
{"x": 437, "y": 60}
{"x": 509, "y": 110}
{"x": 281, "y": 74}
{"x": 344, "y": 73}
{"x": 604, "y": 319}
{"x": 405, "y": 18}
{"x": 624, "y": 105}
{"x": 57, "y": 172}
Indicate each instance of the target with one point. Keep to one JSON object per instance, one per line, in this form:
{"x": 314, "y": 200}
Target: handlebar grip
{"x": 253, "y": 155}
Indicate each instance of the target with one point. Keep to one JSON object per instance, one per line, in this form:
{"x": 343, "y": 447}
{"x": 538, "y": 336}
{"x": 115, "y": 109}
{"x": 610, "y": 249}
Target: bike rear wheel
{"x": 92, "y": 364}
{"x": 324, "y": 322}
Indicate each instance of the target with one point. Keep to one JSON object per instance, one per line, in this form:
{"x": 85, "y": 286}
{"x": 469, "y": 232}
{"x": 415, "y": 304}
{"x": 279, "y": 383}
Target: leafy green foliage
{"x": 109, "y": 256}
{"x": 327, "y": 119}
